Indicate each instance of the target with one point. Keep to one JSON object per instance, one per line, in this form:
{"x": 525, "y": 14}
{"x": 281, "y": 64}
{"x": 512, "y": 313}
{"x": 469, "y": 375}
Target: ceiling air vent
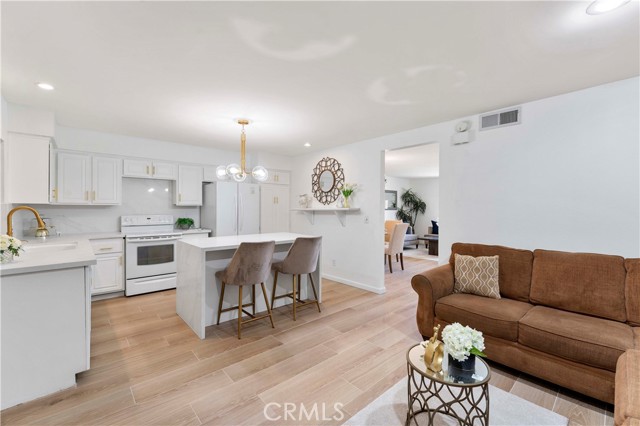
{"x": 507, "y": 117}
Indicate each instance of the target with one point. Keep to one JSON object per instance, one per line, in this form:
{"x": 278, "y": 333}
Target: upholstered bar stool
{"x": 302, "y": 258}
{"x": 250, "y": 265}
{"x": 396, "y": 244}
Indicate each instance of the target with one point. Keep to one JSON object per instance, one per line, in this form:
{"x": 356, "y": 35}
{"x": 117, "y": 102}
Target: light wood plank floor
{"x": 149, "y": 368}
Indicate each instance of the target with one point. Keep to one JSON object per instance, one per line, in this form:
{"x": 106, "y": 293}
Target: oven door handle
{"x": 152, "y": 240}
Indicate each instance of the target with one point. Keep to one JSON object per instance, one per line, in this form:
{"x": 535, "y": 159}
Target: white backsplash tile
{"x": 139, "y": 196}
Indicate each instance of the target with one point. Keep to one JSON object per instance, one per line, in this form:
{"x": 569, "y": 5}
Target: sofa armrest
{"x": 431, "y": 285}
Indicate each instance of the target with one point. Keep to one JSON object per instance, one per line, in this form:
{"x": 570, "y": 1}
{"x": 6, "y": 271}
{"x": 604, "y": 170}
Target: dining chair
{"x": 250, "y": 265}
{"x": 395, "y": 246}
{"x": 388, "y": 227}
{"x": 301, "y": 259}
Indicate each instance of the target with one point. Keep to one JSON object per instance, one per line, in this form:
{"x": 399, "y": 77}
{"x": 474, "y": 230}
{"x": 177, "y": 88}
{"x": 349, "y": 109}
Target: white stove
{"x": 150, "y": 253}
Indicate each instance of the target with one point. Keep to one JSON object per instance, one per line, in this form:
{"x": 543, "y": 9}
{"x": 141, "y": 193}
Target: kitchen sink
{"x": 50, "y": 247}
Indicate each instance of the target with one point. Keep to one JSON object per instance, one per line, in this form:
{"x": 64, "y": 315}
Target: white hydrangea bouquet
{"x": 9, "y": 247}
{"x": 461, "y": 341}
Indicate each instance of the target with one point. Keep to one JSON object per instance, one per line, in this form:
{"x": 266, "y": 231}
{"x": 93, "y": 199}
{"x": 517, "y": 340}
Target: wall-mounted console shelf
{"x": 341, "y": 213}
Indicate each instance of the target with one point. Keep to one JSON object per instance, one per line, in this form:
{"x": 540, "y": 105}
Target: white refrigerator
{"x": 231, "y": 208}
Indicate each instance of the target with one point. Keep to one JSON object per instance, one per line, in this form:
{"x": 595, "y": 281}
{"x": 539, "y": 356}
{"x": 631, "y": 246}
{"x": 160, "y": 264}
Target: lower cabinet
{"x": 109, "y": 270}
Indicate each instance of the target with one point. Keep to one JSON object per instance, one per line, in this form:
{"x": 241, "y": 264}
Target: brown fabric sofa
{"x": 627, "y": 406}
{"x": 563, "y": 317}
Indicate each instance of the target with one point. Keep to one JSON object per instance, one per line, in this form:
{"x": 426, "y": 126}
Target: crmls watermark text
{"x": 274, "y": 411}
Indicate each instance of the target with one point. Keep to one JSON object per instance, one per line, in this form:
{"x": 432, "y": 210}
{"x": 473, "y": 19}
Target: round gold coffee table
{"x": 431, "y": 393}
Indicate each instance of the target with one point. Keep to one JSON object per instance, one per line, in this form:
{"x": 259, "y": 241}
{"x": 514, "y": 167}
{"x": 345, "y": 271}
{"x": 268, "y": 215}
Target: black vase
{"x": 462, "y": 371}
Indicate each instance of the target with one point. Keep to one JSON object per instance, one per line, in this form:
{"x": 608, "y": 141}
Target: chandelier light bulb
{"x": 260, "y": 174}
{"x": 239, "y": 177}
{"x": 233, "y": 169}
{"x": 221, "y": 173}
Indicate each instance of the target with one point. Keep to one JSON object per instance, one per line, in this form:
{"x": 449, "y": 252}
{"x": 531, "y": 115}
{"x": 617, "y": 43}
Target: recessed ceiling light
{"x": 603, "y": 6}
{"x": 307, "y": 144}
{"x": 45, "y": 86}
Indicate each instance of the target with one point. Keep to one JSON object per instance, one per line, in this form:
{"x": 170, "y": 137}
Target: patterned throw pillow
{"x": 477, "y": 275}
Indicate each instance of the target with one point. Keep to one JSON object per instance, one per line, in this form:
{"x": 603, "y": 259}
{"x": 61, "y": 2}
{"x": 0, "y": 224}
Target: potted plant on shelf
{"x": 184, "y": 223}
{"x": 412, "y": 205}
{"x": 347, "y": 190}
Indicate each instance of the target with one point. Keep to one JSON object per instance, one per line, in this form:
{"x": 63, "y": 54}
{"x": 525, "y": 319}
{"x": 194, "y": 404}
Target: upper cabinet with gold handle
{"x": 149, "y": 169}
{"x": 279, "y": 177}
{"x": 87, "y": 179}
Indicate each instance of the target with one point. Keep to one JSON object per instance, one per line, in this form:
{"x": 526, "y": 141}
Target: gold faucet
{"x": 42, "y": 230}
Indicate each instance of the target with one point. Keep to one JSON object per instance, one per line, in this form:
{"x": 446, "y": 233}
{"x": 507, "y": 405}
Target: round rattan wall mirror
{"x": 326, "y": 180}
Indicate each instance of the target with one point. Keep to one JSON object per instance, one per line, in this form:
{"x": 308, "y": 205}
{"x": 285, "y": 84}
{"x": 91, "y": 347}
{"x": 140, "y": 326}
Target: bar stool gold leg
{"x": 253, "y": 299}
{"x": 315, "y": 293}
{"x": 273, "y": 292}
{"x": 239, "y": 310}
{"x": 294, "y": 296}
{"x": 220, "y": 302}
{"x": 266, "y": 302}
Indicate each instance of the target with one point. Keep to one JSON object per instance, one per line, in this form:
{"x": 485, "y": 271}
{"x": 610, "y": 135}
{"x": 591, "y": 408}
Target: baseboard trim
{"x": 355, "y": 284}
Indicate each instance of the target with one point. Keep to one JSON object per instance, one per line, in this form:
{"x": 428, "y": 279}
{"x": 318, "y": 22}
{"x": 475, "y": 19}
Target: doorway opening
{"x": 412, "y": 174}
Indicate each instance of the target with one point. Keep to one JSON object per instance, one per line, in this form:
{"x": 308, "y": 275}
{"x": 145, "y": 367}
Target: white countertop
{"x": 75, "y": 237}
{"x": 193, "y": 231}
{"x": 232, "y": 242}
{"x": 50, "y": 254}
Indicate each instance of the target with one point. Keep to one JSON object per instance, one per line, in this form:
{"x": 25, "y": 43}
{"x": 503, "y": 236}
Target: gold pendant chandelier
{"x": 239, "y": 172}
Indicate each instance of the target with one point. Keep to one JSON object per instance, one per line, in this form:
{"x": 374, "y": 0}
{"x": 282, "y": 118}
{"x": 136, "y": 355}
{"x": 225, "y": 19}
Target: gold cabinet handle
{"x": 153, "y": 170}
{"x": 94, "y": 196}
{"x": 105, "y": 248}
{"x": 180, "y": 197}
{"x": 55, "y": 194}
{"x": 86, "y": 195}
{"x": 147, "y": 169}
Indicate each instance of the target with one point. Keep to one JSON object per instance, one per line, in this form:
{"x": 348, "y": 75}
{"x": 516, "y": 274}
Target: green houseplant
{"x": 412, "y": 205}
{"x": 184, "y": 223}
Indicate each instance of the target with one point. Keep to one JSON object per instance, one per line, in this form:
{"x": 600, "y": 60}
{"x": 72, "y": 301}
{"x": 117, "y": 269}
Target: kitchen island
{"x": 46, "y": 318}
{"x": 198, "y": 290}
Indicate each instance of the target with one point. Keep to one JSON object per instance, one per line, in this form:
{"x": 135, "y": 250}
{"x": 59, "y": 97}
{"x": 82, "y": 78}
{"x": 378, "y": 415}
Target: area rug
{"x": 419, "y": 253}
{"x": 505, "y": 409}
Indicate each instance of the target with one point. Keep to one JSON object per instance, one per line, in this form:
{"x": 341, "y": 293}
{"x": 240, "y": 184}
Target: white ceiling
{"x": 327, "y": 73}
{"x": 416, "y": 162}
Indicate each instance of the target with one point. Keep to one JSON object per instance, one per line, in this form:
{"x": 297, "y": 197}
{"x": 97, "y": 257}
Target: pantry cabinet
{"x": 278, "y": 177}
{"x": 88, "y": 179}
{"x": 274, "y": 208}
{"x": 188, "y": 187}
{"x": 149, "y": 169}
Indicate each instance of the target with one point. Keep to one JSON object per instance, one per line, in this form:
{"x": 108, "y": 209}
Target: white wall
{"x": 4, "y": 208}
{"x": 429, "y": 190}
{"x": 567, "y": 178}
{"x": 394, "y": 184}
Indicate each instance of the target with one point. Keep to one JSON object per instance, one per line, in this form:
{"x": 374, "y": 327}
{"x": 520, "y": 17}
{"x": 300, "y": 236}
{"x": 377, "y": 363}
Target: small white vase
{"x": 6, "y": 257}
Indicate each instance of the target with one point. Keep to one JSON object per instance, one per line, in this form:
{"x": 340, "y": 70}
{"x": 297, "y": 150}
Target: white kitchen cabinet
{"x": 188, "y": 188}
{"x": 26, "y": 169}
{"x": 274, "y": 208}
{"x": 109, "y": 270}
{"x": 149, "y": 169}
{"x": 87, "y": 179}
{"x": 209, "y": 174}
{"x": 46, "y": 325}
{"x": 73, "y": 178}
{"x": 278, "y": 177}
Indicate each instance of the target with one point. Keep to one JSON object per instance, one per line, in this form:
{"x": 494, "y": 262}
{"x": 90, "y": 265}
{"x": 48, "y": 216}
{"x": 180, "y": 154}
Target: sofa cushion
{"x": 514, "y": 274}
{"x": 477, "y": 275}
{"x": 632, "y": 290}
{"x": 495, "y": 317}
{"x": 593, "y": 341}
{"x": 585, "y": 283}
